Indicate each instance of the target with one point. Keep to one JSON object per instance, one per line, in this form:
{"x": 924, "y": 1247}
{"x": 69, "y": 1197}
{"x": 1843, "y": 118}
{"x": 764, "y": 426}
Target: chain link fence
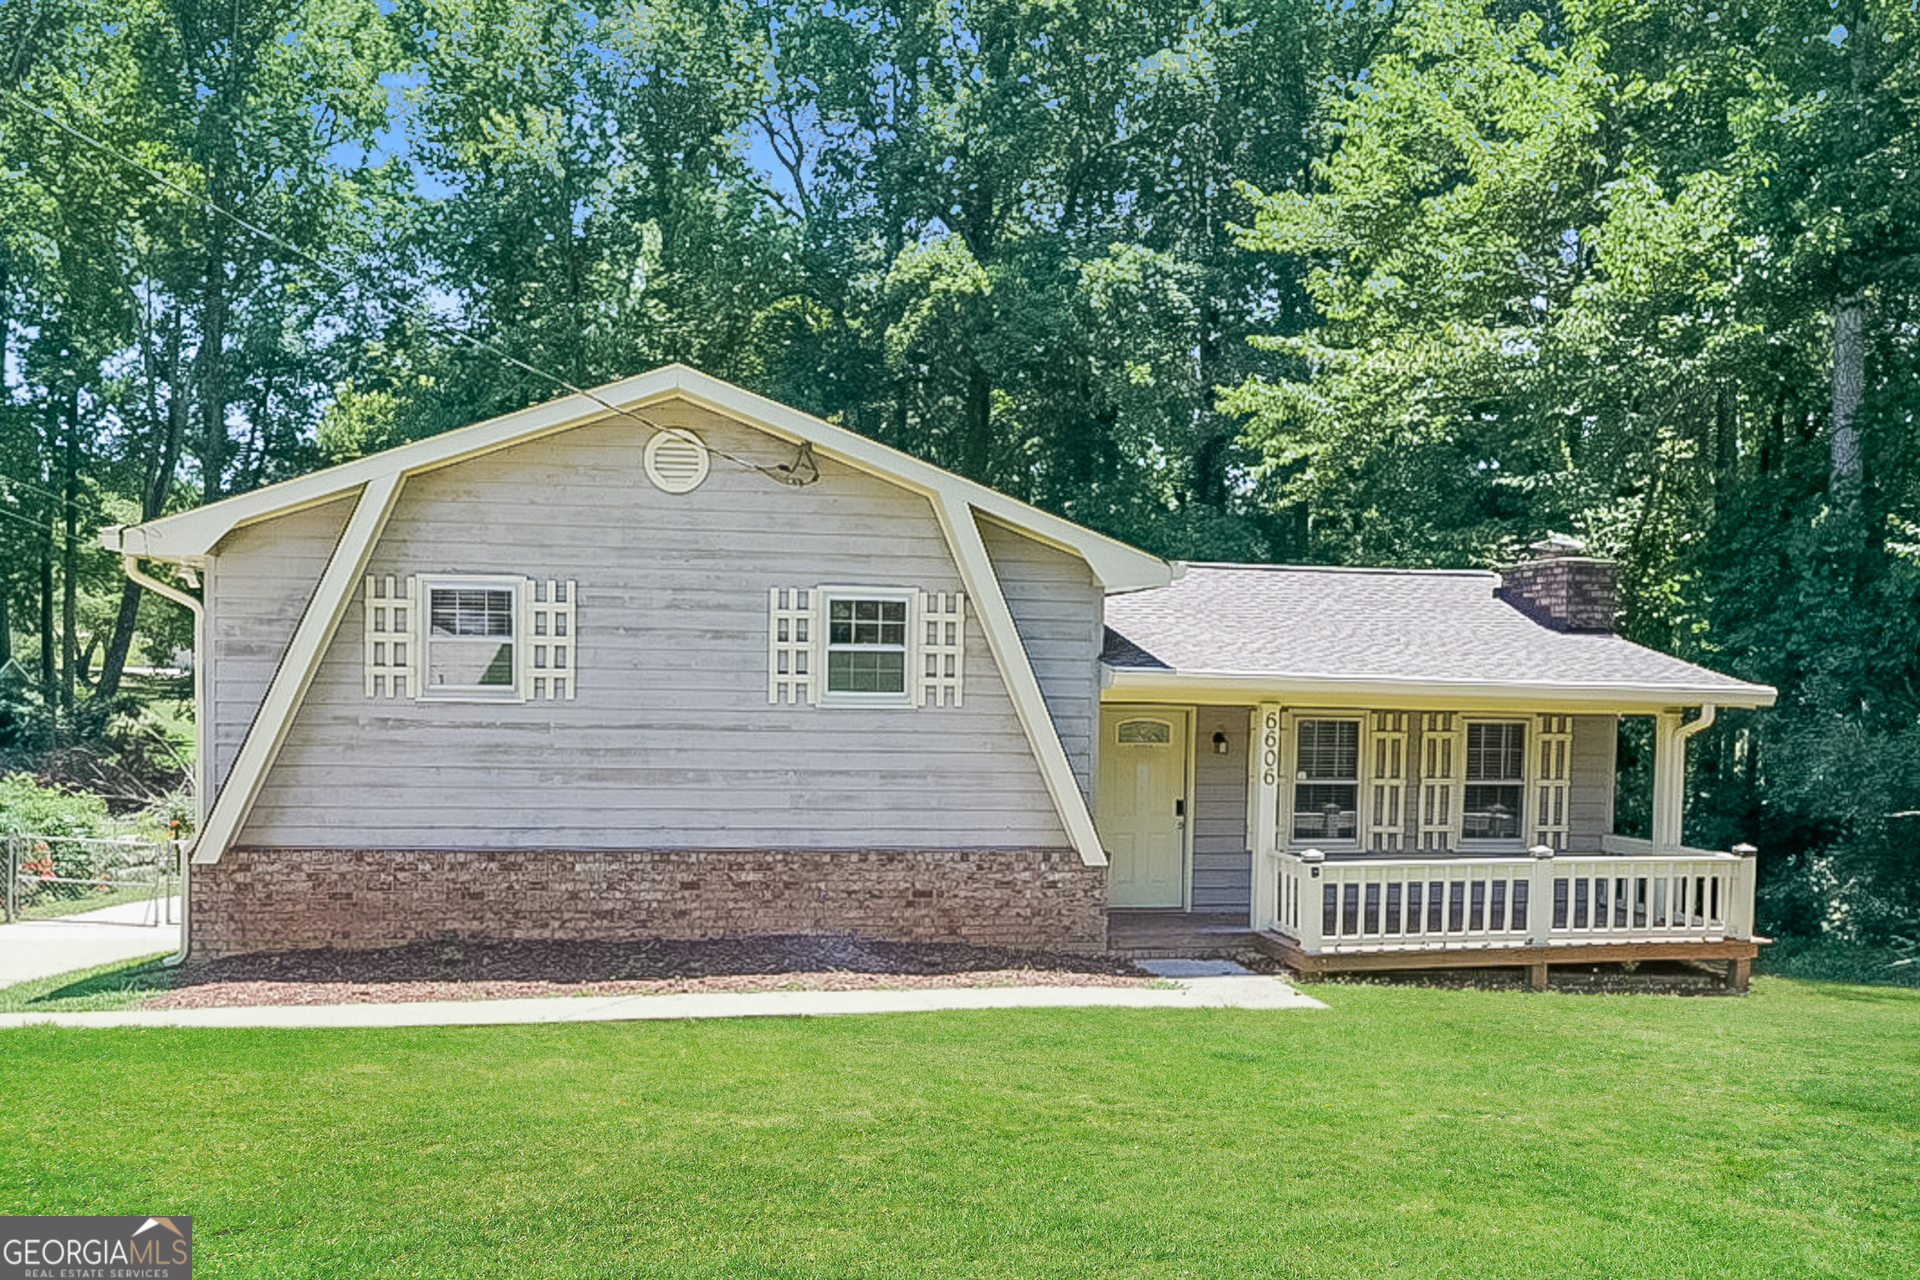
{"x": 59, "y": 875}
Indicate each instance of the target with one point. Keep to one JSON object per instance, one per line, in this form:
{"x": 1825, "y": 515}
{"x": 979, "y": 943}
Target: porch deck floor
{"x": 1146, "y": 933}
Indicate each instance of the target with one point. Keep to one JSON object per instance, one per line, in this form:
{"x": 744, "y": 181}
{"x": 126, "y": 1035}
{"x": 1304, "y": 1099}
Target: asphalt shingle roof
{"x": 1443, "y": 626}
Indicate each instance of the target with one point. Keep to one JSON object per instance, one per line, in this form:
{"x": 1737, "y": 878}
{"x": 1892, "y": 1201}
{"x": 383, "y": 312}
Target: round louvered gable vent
{"x": 676, "y": 461}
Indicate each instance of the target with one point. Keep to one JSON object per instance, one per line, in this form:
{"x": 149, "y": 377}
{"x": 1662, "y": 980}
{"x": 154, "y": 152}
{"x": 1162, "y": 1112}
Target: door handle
{"x": 1180, "y": 807}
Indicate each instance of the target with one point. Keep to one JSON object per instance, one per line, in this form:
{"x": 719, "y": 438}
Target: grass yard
{"x": 1403, "y": 1133}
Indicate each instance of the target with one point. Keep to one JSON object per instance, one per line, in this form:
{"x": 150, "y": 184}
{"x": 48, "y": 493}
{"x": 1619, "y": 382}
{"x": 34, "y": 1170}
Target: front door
{"x": 1142, "y": 802}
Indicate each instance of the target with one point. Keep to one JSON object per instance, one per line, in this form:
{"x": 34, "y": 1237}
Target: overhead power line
{"x": 42, "y": 490}
{"x": 799, "y": 473}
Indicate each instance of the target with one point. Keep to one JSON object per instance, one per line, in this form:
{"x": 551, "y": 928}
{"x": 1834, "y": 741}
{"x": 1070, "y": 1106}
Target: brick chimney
{"x": 1562, "y": 587}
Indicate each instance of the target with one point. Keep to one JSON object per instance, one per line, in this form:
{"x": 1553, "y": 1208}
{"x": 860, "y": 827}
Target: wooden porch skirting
{"x": 279, "y": 899}
{"x": 1736, "y": 954}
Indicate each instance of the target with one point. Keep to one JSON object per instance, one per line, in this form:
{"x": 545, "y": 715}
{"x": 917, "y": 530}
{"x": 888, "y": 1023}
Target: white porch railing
{"x": 1629, "y": 894}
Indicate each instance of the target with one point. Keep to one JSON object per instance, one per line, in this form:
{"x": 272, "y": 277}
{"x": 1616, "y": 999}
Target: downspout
{"x": 1672, "y": 796}
{"x": 1707, "y": 711}
{"x": 134, "y": 573}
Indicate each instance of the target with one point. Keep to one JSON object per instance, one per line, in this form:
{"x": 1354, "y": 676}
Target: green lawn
{"x": 120, "y": 985}
{"x": 1403, "y": 1133}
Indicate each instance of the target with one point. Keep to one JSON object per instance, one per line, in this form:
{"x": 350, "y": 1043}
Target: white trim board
{"x": 1136, "y": 684}
{"x": 294, "y": 675}
{"x": 189, "y": 536}
{"x": 958, "y": 522}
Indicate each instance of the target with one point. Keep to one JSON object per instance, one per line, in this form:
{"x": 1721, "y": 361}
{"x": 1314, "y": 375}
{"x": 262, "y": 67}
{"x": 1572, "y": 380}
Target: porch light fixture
{"x": 1219, "y": 744}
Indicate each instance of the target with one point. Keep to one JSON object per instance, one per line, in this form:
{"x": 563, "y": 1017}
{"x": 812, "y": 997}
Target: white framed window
{"x": 465, "y": 637}
{"x": 1492, "y": 806}
{"x": 860, "y": 646}
{"x": 866, "y": 642}
{"x": 469, "y": 643}
{"x": 1326, "y": 791}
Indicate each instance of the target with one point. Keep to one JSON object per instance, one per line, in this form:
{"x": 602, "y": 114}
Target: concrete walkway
{"x": 1248, "y": 991}
{"x": 32, "y": 949}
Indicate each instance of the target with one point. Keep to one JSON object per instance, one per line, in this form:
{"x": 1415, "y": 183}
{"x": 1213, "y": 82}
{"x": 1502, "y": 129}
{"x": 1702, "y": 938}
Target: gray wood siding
{"x": 1058, "y": 607}
{"x": 1590, "y": 782}
{"x": 671, "y": 741}
{"x": 1222, "y": 863}
{"x": 257, "y": 586}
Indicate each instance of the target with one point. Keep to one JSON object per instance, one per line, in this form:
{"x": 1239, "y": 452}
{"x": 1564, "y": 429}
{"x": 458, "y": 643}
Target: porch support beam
{"x": 1670, "y": 734}
{"x": 958, "y": 522}
{"x": 294, "y": 675}
{"x": 1263, "y": 811}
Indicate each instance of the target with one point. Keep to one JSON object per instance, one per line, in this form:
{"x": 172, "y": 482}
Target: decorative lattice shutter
{"x": 1443, "y": 753}
{"x": 942, "y": 652}
{"x": 1553, "y": 756}
{"x": 1387, "y": 779}
{"x": 392, "y": 613}
{"x": 791, "y": 624}
{"x": 548, "y": 669}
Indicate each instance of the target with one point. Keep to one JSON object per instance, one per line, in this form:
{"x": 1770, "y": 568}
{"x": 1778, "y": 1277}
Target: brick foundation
{"x": 274, "y": 899}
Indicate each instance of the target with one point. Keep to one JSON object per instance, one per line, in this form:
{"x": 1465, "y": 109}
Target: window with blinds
{"x": 1492, "y": 804}
{"x": 470, "y": 638}
{"x": 469, "y": 649}
{"x": 1326, "y": 789}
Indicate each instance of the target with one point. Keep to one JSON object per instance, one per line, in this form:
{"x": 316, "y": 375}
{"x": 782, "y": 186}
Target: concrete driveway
{"x": 41, "y": 948}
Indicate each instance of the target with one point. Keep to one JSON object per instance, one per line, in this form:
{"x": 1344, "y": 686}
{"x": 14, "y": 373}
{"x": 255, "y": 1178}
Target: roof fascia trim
{"x": 1256, "y": 687}
{"x": 1118, "y": 566}
{"x": 191, "y": 535}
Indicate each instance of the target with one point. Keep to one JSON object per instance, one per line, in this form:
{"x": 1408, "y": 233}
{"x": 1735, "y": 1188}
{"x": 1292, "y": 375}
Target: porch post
{"x": 1263, "y": 816}
{"x": 1669, "y": 780}
{"x": 1313, "y": 896}
{"x": 1540, "y": 897}
{"x": 1670, "y": 736}
{"x": 1539, "y": 913}
{"x": 1740, "y": 910}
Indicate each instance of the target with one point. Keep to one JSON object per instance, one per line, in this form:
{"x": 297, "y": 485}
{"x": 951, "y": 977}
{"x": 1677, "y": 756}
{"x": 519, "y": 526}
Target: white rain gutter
{"x": 131, "y": 564}
{"x": 1670, "y": 773}
{"x": 1705, "y": 721}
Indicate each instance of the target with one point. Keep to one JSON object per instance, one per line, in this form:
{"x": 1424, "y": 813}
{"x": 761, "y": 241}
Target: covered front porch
{"x": 1347, "y": 840}
{"x": 1341, "y": 839}
{"x": 1396, "y": 769}
{"x": 1562, "y": 888}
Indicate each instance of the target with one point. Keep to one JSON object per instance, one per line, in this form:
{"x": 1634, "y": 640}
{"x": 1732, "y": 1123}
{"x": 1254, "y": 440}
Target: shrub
{"x": 27, "y": 806}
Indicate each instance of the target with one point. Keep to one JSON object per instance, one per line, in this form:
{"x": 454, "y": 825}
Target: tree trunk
{"x": 69, "y": 556}
{"x": 978, "y": 449}
{"x": 212, "y": 361}
{"x": 153, "y": 501}
{"x": 114, "y": 664}
{"x": 1849, "y": 385}
{"x": 49, "y": 669}
{"x": 6, "y": 578}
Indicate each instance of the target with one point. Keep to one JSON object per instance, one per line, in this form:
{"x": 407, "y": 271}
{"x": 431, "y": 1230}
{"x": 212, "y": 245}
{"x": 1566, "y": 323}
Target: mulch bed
{"x": 497, "y": 970}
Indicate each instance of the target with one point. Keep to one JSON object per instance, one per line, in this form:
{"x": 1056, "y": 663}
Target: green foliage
{"x": 1831, "y": 959}
{"x": 1579, "y": 269}
{"x": 28, "y": 806}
